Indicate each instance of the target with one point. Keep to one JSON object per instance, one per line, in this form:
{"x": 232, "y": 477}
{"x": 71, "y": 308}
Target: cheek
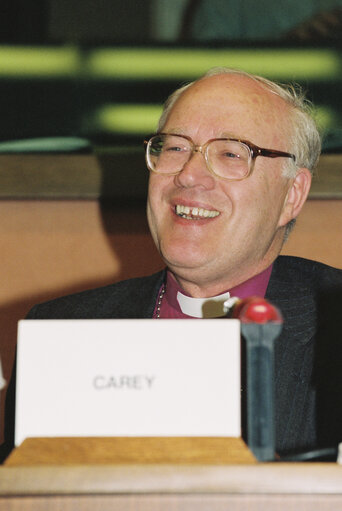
{"x": 155, "y": 204}
{"x": 154, "y": 194}
{"x": 152, "y": 222}
{"x": 271, "y": 202}
{"x": 153, "y": 198}
{"x": 256, "y": 200}
{"x": 160, "y": 189}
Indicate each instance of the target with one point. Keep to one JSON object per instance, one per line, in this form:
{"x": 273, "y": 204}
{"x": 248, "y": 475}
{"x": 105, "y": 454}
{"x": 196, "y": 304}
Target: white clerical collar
{"x": 202, "y": 307}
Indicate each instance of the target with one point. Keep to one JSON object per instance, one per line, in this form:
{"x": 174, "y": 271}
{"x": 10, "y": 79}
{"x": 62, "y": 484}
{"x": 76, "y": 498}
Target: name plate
{"x": 128, "y": 378}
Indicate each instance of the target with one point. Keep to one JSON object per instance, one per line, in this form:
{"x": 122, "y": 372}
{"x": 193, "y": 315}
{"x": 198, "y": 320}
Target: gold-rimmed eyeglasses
{"x": 227, "y": 158}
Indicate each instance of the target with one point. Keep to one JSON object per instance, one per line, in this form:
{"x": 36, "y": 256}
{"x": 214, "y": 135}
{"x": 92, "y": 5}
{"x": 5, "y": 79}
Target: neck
{"x": 198, "y": 289}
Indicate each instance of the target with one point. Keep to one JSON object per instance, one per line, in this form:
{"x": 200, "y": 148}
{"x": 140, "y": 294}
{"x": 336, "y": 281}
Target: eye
{"x": 169, "y": 147}
{"x": 230, "y": 155}
{"x": 174, "y": 144}
{"x": 157, "y": 146}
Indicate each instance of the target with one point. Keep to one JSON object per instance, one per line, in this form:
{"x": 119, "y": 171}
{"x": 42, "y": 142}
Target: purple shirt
{"x": 256, "y": 286}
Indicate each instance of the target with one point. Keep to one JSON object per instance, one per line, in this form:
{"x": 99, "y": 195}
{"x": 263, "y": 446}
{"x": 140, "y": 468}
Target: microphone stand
{"x": 261, "y": 324}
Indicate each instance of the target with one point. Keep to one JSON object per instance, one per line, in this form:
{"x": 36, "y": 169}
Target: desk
{"x": 261, "y": 487}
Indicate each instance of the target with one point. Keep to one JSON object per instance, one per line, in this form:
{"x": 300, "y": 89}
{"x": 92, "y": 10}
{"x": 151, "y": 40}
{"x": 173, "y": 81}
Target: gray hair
{"x": 305, "y": 140}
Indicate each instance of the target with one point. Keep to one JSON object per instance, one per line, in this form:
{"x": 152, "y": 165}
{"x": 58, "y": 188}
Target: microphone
{"x": 261, "y": 324}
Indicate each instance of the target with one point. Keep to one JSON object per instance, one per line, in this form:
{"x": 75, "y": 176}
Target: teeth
{"x": 195, "y": 213}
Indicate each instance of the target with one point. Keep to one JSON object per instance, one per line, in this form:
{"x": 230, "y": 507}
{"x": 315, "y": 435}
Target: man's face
{"x": 214, "y": 253}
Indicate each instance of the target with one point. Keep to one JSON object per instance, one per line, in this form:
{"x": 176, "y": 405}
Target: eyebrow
{"x": 225, "y": 134}
{"x": 176, "y": 131}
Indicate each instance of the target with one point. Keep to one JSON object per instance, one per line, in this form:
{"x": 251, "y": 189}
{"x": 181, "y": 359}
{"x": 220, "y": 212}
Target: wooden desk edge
{"x": 266, "y": 478}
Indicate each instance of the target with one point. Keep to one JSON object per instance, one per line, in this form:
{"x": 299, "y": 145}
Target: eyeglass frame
{"x": 253, "y": 149}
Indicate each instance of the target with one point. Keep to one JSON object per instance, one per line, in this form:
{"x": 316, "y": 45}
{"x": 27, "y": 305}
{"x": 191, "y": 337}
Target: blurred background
{"x": 100, "y": 69}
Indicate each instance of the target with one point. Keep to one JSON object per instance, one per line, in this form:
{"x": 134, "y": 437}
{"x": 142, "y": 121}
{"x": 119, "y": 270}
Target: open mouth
{"x": 194, "y": 213}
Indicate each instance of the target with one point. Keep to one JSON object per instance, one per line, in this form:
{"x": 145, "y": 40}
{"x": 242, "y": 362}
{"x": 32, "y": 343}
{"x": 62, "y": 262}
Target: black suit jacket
{"x": 308, "y": 352}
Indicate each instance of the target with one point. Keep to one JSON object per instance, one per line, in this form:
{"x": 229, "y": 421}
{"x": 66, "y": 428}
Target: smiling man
{"x": 218, "y": 211}
{"x": 230, "y": 169}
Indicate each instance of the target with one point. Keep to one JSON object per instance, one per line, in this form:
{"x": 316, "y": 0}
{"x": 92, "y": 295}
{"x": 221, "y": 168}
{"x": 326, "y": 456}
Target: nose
{"x": 195, "y": 173}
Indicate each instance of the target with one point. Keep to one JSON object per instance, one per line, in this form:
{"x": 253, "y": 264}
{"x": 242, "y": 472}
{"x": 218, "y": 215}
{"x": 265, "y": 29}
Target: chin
{"x": 183, "y": 258}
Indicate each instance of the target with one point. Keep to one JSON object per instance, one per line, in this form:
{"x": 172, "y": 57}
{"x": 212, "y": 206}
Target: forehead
{"x": 232, "y": 104}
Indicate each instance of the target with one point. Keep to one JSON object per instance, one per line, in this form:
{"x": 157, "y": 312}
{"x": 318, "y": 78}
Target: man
{"x": 230, "y": 171}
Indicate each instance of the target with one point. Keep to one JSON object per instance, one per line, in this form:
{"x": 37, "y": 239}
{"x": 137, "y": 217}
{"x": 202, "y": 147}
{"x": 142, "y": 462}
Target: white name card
{"x": 128, "y": 378}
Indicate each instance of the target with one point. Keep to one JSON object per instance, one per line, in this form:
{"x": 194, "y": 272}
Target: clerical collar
{"x": 175, "y": 304}
{"x": 202, "y": 307}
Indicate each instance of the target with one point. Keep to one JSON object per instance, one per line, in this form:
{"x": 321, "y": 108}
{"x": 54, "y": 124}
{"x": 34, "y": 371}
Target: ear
{"x": 296, "y": 196}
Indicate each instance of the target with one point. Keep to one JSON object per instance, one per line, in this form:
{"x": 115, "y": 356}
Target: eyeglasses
{"x": 227, "y": 158}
